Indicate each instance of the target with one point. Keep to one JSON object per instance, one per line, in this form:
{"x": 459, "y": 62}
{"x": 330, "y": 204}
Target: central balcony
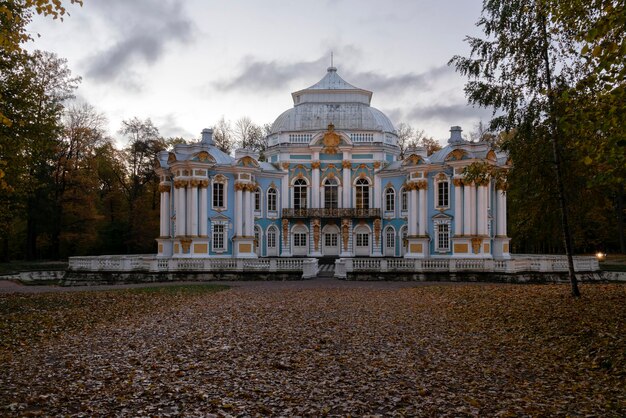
{"x": 331, "y": 213}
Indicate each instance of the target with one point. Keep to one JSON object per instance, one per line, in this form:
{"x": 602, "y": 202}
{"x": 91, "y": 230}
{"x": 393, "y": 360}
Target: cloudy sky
{"x": 185, "y": 64}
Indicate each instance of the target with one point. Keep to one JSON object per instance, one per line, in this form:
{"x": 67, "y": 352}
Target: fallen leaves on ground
{"x": 492, "y": 350}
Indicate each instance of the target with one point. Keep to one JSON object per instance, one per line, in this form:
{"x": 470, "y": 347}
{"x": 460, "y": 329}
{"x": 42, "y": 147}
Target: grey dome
{"x": 345, "y": 116}
{"x": 332, "y": 100}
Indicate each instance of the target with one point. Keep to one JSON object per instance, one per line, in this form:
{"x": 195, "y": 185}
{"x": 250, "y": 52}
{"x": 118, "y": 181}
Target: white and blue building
{"x": 333, "y": 185}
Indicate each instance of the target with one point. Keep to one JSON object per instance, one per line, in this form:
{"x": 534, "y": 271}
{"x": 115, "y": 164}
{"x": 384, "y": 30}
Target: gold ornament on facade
{"x": 164, "y": 188}
{"x": 476, "y": 245}
{"x": 345, "y": 233}
{"x": 240, "y": 186}
{"x": 455, "y": 155}
{"x": 422, "y": 185}
{"x": 346, "y": 164}
{"x": 204, "y": 183}
{"x": 331, "y": 140}
{"x": 180, "y": 183}
{"x": 457, "y": 182}
{"x": 194, "y": 183}
{"x": 377, "y": 228}
{"x": 285, "y": 166}
{"x": 440, "y": 177}
{"x": 377, "y": 165}
{"x": 316, "y": 233}
{"x": 185, "y": 243}
{"x": 204, "y": 156}
{"x": 171, "y": 158}
{"x": 285, "y": 229}
{"x": 315, "y": 164}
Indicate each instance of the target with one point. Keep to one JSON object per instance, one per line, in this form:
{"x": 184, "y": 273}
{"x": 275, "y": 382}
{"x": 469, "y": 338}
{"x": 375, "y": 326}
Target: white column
{"x": 284, "y": 192}
{"x": 467, "y": 212}
{"x": 472, "y": 199}
{"x": 423, "y": 208}
{"x": 181, "y": 211}
{"x": 501, "y": 217}
{"x": 246, "y": 211}
{"x": 250, "y": 214}
{"x": 203, "y": 209}
{"x": 413, "y": 213}
{"x": 315, "y": 189}
{"x": 194, "y": 209}
{"x": 481, "y": 227}
{"x": 238, "y": 212}
{"x": 347, "y": 187}
{"x": 377, "y": 192}
{"x": 162, "y": 212}
{"x": 458, "y": 206}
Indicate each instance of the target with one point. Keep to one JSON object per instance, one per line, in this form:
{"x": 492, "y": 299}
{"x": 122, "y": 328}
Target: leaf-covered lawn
{"x": 489, "y": 350}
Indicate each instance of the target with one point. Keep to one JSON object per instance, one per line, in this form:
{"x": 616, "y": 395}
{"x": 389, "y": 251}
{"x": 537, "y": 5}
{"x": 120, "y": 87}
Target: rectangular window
{"x": 443, "y": 237}
{"x": 218, "y": 237}
{"x": 299, "y": 239}
{"x": 218, "y": 195}
{"x": 362, "y": 240}
{"x": 442, "y": 194}
{"x": 271, "y": 201}
{"x": 405, "y": 201}
{"x": 257, "y": 201}
{"x": 331, "y": 240}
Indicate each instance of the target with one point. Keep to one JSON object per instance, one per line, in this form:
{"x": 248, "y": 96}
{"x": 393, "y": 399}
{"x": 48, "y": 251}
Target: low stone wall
{"x": 83, "y": 278}
{"x": 479, "y": 277}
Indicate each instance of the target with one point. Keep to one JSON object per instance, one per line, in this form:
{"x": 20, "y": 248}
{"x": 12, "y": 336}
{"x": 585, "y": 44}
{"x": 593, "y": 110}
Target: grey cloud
{"x": 272, "y": 75}
{"x": 169, "y": 127}
{"x": 144, "y": 29}
{"x": 269, "y": 75}
{"x": 381, "y": 83}
{"x": 453, "y": 114}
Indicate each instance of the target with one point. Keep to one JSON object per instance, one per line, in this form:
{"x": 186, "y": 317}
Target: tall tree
{"x": 223, "y": 135}
{"x": 516, "y": 69}
{"x": 138, "y": 181}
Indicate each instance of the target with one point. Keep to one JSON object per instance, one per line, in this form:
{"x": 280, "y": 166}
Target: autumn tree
{"x": 410, "y": 137}
{"x": 517, "y": 69}
{"x": 74, "y": 222}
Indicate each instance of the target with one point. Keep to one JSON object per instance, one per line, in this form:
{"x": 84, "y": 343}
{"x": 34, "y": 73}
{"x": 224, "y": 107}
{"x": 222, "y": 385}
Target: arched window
{"x": 390, "y": 200}
{"x": 390, "y": 237}
{"x": 362, "y": 194}
{"x": 404, "y": 200}
{"x": 331, "y": 195}
{"x": 272, "y": 200}
{"x": 299, "y": 194}
{"x": 271, "y": 237}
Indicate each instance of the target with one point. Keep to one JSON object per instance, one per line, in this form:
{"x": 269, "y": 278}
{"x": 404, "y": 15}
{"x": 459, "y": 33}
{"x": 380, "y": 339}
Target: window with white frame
{"x": 218, "y": 196}
{"x": 390, "y": 200}
{"x": 257, "y": 199}
{"x": 362, "y": 239}
{"x": 331, "y": 195}
{"x": 362, "y": 194}
{"x": 404, "y": 200}
{"x": 299, "y": 194}
{"x": 299, "y": 239}
{"x": 443, "y": 193}
{"x": 443, "y": 236}
{"x": 271, "y": 238}
{"x": 390, "y": 238}
{"x": 272, "y": 200}
{"x": 331, "y": 239}
{"x": 218, "y": 238}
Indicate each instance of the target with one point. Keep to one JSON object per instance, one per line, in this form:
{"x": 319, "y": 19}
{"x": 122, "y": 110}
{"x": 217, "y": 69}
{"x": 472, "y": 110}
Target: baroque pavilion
{"x": 332, "y": 185}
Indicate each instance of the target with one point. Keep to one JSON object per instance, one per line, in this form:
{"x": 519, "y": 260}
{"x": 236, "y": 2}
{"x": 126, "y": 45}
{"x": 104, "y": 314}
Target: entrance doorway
{"x": 299, "y": 240}
{"x": 362, "y": 243}
{"x": 330, "y": 240}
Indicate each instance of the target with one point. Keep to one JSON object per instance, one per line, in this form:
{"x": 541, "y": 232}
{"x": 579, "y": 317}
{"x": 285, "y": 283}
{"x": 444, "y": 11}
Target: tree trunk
{"x": 620, "y": 218}
{"x": 554, "y": 137}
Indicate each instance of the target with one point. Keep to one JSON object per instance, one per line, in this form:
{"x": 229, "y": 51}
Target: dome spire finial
{"x": 332, "y": 67}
